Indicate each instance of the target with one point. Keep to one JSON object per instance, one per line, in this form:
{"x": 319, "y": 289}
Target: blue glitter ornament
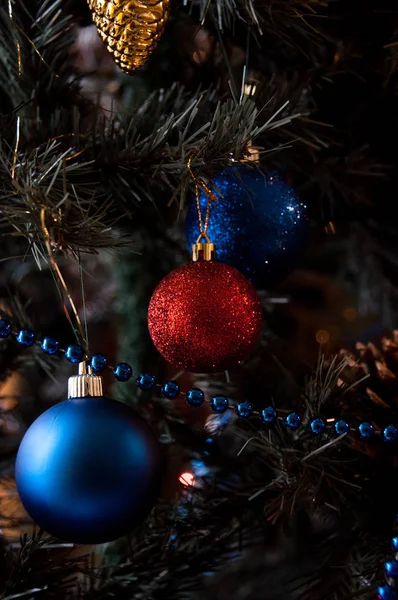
{"x": 50, "y": 346}
{"x": 26, "y": 337}
{"x": 219, "y": 404}
{"x": 5, "y": 328}
{"x": 122, "y": 372}
{"x": 88, "y": 470}
{"x": 258, "y": 223}
{"x": 292, "y": 421}
{"x": 268, "y": 415}
{"x": 145, "y": 381}
{"x": 194, "y": 397}
{"x": 170, "y": 390}
{"x": 386, "y": 592}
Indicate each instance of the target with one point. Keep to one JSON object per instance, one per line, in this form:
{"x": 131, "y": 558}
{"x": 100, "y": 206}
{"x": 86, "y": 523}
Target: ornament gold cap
{"x": 85, "y": 383}
{"x": 203, "y": 250}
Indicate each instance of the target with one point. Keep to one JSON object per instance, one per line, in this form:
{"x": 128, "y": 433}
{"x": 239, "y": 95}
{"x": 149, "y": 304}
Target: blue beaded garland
{"x": 341, "y": 427}
{"x": 122, "y": 372}
{"x": 391, "y": 568}
{"x": 386, "y": 592}
{"x": 50, "y": 346}
{"x": 268, "y": 415}
{"x": 145, "y": 381}
{"x": 194, "y": 397}
{"x": 74, "y": 353}
{"x": 170, "y": 390}
{"x": 390, "y": 433}
{"x": 98, "y": 363}
{"x": 26, "y": 337}
{"x": 5, "y": 328}
{"x": 219, "y": 404}
{"x": 258, "y": 223}
{"x": 366, "y": 430}
{"x": 394, "y": 544}
{"x": 292, "y": 421}
{"x": 317, "y": 425}
{"x": 244, "y": 409}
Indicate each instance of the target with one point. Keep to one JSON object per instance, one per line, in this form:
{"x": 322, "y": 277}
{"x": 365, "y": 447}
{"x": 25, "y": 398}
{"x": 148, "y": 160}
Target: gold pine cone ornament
{"x": 130, "y": 29}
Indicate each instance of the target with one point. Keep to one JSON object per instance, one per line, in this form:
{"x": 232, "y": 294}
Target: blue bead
{"x": 5, "y": 328}
{"x": 366, "y": 430}
{"x": 49, "y": 345}
{"x": 394, "y": 544}
{"x": 209, "y": 446}
{"x": 390, "y": 433}
{"x": 341, "y": 427}
{"x": 26, "y": 337}
{"x": 258, "y": 223}
{"x": 145, "y": 381}
{"x": 268, "y": 415}
{"x": 219, "y": 404}
{"x": 98, "y": 362}
{"x": 244, "y": 409}
{"x": 317, "y": 425}
{"x": 170, "y": 390}
{"x": 88, "y": 470}
{"x": 391, "y": 568}
{"x": 292, "y": 421}
{"x": 194, "y": 397}
{"x": 74, "y": 353}
{"x": 386, "y": 592}
{"x": 122, "y": 371}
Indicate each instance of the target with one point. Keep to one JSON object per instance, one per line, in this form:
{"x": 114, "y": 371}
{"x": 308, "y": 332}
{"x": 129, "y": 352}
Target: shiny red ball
{"x": 205, "y": 317}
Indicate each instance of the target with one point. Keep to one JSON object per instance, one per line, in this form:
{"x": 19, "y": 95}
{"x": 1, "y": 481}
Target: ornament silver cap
{"x": 85, "y": 384}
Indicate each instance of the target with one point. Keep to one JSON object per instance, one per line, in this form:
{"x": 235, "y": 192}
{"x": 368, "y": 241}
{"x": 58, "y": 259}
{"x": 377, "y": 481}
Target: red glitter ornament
{"x": 205, "y": 317}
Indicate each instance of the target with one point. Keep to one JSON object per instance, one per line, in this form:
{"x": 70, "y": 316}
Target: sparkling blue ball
{"x": 390, "y": 433}
{"x": 219, "y": 404}
{"x": 244, "y": 409}
{"x": 366, "y": 430}
{"x": 49, "y": 345}
{"x": 5, "y": 328}
{"x": 391, "y": 568}
{"x": 258, "y": 223}
{"x": 386, "y": 592}
{"x": 394, "y": 544}
{"x": 145, "y": 381}
{"x": 74, "y": 353}
{"x": 98, "y": 363}
{"x": 88, "y": 470}
{"x": 170, "y": 390}
{"x": 26, "y": 337}
{"x": 317, "y": 425}
{"x": 194, "y": 397}
{"x": 268, "y": 415}
{"x": 341, "y": 427}
{"x": 122, "y": 372}
{"x": 292, "y": 421}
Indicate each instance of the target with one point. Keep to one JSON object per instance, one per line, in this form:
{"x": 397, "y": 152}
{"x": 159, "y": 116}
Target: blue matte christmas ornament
{"x": 257, "y": 224}
{"x": 88, "y": 469}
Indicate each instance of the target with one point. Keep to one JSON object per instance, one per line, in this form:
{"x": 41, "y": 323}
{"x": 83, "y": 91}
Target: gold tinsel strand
{"x": 130, "y": 29}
